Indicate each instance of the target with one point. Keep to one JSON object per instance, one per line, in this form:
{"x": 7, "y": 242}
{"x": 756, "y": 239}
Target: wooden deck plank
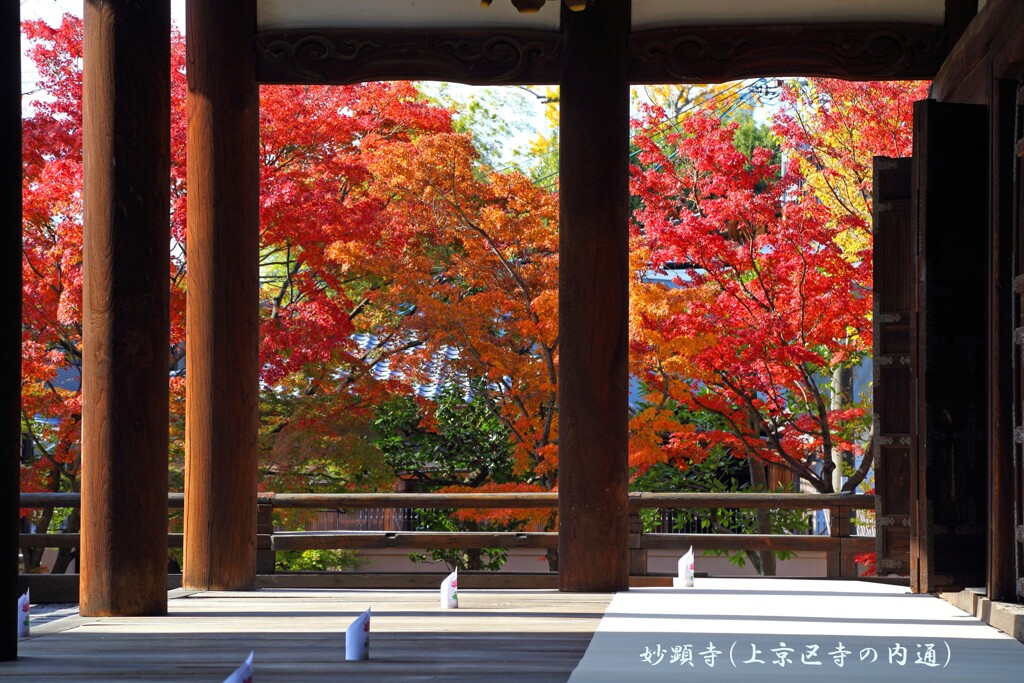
{"x": 298, "y": 635}
{"x": 518, "y": 635}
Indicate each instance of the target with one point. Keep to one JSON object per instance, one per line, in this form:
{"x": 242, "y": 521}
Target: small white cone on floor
{"x": 357, "y": 638}
{"x": 685, "y": 578}
{"x": 23, "y": 615}
{"x": 450, "y": 591}
{"x": 242, "y": 674}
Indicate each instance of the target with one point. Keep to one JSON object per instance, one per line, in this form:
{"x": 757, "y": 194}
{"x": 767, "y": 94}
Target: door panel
{"x": 948, "y": 548}
{"x": 895, "y": 297}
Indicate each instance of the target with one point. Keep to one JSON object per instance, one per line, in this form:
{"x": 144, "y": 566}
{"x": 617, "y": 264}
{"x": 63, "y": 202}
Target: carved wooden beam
{"x": 674, "y": 55}
{"x": 851, "y": 51}
{"x": 338, "y": 57}
{"x": 991, "y": 42}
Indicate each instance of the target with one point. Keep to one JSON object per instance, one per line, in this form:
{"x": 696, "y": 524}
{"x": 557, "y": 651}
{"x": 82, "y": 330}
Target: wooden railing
{"x": 840, "y": 547}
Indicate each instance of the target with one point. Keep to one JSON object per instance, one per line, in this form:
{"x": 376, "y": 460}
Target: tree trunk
{"x": 552, "y": 556}
{"x": 842, "y": 397}
{"x": 65, "y": 556}
{"x": 474, "y": 560}
{"x": 474, "y": 556}
{"x": 765, "y": 562}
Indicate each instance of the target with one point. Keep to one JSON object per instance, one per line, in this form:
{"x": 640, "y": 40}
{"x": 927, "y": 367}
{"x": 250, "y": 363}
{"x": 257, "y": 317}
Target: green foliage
{"x": 309, "y": 443}
{"x": 449, "y": 442}
{"x": 719, "y": 473}
{"x": 488, "y": 559}
{"x": 493, "y": 116}
{"x": 750, "y": 135}
{"x": 317, "y": 560}
{"x": 58, "y": 522}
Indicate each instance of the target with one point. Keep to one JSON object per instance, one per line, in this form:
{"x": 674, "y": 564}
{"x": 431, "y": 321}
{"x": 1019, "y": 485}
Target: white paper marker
{"x": 242, "y": 674}
{"x": 357, "y": 638}
{"x": 450, "y": 591}
{"x": 23, "y": 615}
{"x": 685, "y": 578}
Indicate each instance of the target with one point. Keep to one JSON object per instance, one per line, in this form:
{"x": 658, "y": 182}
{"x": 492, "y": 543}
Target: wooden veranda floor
{"x": 299, "y": 635}
{"x": 537, "y": 635}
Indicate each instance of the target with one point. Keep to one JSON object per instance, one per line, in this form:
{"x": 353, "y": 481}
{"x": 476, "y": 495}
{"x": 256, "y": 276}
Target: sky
{"x": 529, "y": 118}
{"x": 52, "y": 10}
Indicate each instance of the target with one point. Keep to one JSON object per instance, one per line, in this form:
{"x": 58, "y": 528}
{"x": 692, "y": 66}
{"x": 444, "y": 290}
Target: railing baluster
{"x": 375, "y": 511}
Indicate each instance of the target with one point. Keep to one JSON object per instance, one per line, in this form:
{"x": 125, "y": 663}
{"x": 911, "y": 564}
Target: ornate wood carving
{"x": 339, "y": 57}
{"x": 703, "y": 54}
{"x": 715, "y": 54}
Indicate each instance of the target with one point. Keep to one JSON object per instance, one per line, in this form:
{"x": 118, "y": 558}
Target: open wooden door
{"x": 1015, "y": 488}
{"x": 949, "y": 483}
{"x": 895, "y": 301}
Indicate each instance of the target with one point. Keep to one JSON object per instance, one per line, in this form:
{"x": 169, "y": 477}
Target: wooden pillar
{"x": 125, "y": 319}
{"x": 10, "y": 321}
{"x": 222, "y": 346}
{"x": 593, "y": 380}
{"x": 959, "y": 14}
{"x": 1000, "y": 583}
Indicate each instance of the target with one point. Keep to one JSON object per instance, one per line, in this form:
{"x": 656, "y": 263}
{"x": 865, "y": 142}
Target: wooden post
{"x": 10, "y": 321}
{"x": 959, "y": 14}
{"x": 266, "y": 558}
{"x": 840, "y": 562}
{"x": 1000, "y": 583}
{"x": 125, "y": 318}
{"x": 222, "y": 346}
{"x": 637, "y": 553}
{"x": 593, "y": 387}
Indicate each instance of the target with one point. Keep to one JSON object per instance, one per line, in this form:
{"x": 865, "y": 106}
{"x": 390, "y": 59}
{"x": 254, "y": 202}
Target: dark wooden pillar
{"x": 222, "y": 348}
{"x": 125, "y": 321}
{"x": 10, "y": 321}
{"x": 593, "y": 546}
{"x": 959, "y": 14}
{"x": 1000, "y": 584}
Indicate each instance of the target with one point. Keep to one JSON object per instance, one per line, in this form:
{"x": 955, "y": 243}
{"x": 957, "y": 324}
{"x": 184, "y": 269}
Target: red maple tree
{"x": 347, "y": 251}
{"x": 764, "y": 307}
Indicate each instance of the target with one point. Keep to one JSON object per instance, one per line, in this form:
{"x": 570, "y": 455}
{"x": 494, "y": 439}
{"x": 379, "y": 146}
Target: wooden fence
{"x": 840, "y": 547}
